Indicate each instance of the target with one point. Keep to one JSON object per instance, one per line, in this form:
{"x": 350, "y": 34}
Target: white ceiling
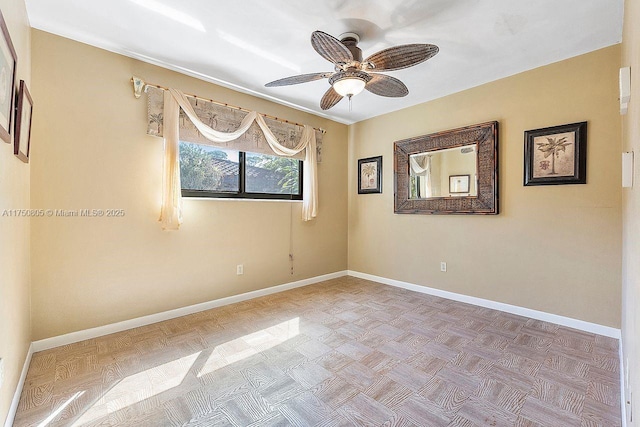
{"x": 244, "y": 44}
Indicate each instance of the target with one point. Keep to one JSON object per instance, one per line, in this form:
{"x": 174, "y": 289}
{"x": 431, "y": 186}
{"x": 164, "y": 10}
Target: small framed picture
{"x": 370, "y": 175}
{"x": 459, "y": 184}
{"x": 556, "y": 155}
{"x": 8, "y": 60}
{"x": 22, "y": 140}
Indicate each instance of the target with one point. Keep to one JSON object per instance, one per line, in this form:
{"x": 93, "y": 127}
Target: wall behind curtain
{"x": 631, "y": 212}
{"x": 14, "y": 232}
{"x": 91, "y": 151}
{"x": 552, "y": 248}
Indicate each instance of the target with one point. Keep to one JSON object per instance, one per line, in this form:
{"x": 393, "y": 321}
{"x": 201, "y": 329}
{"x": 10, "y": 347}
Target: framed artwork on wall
{"x": 459, "y": 184}
{"x": 8, "y": 61}
{"x": 556, "y": 155}
{"x": 370, "y": 175}
{"x": 24, "y": 110}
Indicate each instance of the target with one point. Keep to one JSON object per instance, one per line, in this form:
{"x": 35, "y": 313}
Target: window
{"x": 214, "y": 172}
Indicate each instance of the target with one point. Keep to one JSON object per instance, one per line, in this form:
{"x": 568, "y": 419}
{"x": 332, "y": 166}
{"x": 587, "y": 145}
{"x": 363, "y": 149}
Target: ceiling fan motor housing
{"x": 350, "y": 40}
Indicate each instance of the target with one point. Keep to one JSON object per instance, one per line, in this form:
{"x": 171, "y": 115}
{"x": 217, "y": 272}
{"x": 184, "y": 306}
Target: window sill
{"x": 238, "y": 199}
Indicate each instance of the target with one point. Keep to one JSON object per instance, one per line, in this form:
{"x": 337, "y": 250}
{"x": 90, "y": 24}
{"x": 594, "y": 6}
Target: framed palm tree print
{"x": 556, "y": 155}
{"x": 370, "y": 175}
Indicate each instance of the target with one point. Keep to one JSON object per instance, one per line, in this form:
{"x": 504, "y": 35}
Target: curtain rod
{"x": 139, "y": 85}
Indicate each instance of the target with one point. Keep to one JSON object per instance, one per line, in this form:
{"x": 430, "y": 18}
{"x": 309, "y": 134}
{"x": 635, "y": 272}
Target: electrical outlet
{"x": 443, "y": 266}
{"x": 1, "y": 372}
{"x": 240, "y": 270}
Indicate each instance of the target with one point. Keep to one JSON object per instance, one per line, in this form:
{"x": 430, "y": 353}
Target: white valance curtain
{"x": 422, "y": 167}
{"x": 171, "y": 212}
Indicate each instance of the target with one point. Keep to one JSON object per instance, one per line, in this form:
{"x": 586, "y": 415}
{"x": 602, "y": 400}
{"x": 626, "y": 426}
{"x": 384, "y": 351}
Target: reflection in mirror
{"x": 452, "y": 172}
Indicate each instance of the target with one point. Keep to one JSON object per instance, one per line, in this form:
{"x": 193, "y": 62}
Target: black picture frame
{"x": 370, "y": 175}
{"x": 556, "y": 155}
{"x": 24, "y": 114}
{"x": 8, "y": 62}
{"x": 462, "y": 180}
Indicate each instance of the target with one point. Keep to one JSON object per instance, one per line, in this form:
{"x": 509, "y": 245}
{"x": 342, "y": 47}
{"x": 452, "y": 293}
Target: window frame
{"x": 241, "y": 193}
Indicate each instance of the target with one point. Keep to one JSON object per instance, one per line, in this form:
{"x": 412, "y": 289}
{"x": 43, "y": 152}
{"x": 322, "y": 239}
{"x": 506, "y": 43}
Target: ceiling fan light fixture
{"x": 349, "y": 83}
{"x": 349, "y": 86}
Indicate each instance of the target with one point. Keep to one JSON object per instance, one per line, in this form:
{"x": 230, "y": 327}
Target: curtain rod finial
{"x": 138, "y": 86}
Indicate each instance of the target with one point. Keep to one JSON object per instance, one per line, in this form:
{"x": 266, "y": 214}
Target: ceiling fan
{"x": 352, "y": 74}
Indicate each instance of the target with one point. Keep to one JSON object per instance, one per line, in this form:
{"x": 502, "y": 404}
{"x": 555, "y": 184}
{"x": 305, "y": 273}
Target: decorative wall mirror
{"x": 450, "y": 172}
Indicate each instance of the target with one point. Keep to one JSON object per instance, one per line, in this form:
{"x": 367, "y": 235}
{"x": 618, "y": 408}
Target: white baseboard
{"x": 513, "y": 309}
{"x": 99, "y": 331}
{"x": 16, "y": 396}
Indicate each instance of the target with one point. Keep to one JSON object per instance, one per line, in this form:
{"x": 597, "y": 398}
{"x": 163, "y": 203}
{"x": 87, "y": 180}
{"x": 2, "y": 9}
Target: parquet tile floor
{"x": 338, "y": 353}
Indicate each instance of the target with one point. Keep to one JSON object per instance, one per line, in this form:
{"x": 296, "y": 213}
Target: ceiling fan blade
{"x": 330, "y": 98}
{"x": 302, "y": 78}
{"x": 384, "y": 85}
{"x": 330, "y": 48}
{"x": 398, "y": 57}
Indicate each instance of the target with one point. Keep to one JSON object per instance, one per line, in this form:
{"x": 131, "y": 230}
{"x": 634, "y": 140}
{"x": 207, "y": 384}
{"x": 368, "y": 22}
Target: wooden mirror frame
{"x": 485, "y": 135}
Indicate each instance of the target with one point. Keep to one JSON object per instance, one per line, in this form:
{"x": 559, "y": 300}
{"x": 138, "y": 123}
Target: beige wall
{"x": 631, "y": 212}
{"x": 552, "y": 248}
{"x": 14, "y": 232}
{"x": 91, "y": 151}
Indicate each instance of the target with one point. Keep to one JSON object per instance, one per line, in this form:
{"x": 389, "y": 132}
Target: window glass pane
{"x": 207, "y": 168}
{"x": 272, "y": 174}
